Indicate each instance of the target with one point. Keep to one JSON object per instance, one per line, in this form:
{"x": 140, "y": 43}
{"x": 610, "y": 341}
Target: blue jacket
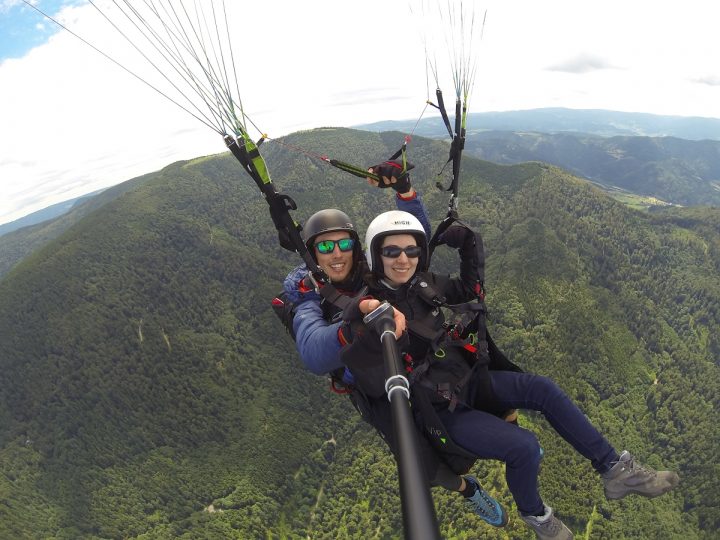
{"x": 317, "y": 339}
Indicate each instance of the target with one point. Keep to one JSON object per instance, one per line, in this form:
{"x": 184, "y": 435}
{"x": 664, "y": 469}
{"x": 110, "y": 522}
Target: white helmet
{"x": 393, "y": 222}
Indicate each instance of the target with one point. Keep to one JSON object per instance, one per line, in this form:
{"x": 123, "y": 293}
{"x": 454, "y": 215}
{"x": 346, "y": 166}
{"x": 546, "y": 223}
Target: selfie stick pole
{"x": 419, "y": 519}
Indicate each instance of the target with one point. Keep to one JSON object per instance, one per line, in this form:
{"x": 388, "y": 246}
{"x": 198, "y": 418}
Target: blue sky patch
{"x": 22, "y": 28}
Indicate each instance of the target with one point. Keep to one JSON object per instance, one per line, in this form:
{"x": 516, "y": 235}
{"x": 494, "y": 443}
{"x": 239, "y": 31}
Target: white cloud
{"x": 710, "y": 80}
{"x": 5, "y": 5}
{"x": 72, "y": 122}
{"x": 581, "y": 63}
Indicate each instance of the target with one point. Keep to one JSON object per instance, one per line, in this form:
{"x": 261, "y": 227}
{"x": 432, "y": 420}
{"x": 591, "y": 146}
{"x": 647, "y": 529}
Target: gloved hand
{"x": 397, "y": 315}
{"x": 352, "y": 312}
{"x": 352, "y": 316}
{"x": 390, "y": 173}
{"x": 455, "y": 236}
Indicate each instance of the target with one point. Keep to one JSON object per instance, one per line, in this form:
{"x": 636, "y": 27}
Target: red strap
{"x": 410, "y": 198}
{"x": 341, "y": 337}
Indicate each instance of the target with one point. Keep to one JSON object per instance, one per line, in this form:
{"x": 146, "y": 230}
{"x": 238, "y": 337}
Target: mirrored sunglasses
{"x": 393, "y": 252}
{"x": 328, "y": 246}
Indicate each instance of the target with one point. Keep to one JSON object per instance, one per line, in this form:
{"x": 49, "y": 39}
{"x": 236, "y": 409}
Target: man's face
{"x": 399, "y": 269}
{"x": 337, "y": 264}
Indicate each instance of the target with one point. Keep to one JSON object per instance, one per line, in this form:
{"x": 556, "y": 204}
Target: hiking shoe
{"x": 487, "y": 508}
{"x": 628, "y": 476}
{"x": 548, "y": 527}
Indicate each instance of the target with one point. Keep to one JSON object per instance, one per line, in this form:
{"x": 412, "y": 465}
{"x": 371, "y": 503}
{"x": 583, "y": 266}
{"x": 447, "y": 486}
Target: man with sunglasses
{"x": 317, "y": 325}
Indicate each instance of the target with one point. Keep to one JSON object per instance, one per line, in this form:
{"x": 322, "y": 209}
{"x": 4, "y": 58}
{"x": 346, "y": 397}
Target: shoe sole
{"x": 563, "y": 533}
{"x": 619, "y": 495}
{"x": 503, "y": 519}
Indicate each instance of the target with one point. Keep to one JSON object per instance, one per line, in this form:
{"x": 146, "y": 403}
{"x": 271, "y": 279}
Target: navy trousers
{"x": 490, "y": 437}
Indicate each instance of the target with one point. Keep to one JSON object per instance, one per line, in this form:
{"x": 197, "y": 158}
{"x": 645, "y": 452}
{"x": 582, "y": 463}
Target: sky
{"x": 72, "y": 122}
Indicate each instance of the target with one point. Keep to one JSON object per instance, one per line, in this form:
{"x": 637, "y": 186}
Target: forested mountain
{"x": 670, "y": 158}
{"x": 673, "y": 170}
{"x": 20, "y": 238}
{"x": 46, "y": 214}
{"x": 147, "y": 390}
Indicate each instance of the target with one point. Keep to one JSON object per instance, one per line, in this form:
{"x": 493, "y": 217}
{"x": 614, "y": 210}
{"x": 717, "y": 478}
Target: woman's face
{"x": 401, "y": 268}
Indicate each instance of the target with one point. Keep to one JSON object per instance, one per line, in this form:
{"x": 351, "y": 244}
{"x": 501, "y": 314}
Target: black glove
{"x": 353, "y": 327}
{"x": 455, "y": 236}
{"x": 351, "y": 313}
{"x": 470, "y": 248}
{"x": 394, "y": 168}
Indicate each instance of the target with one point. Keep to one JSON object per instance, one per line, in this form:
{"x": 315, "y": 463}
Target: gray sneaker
{"x": 548, "y": 527}
{"x": 628, "y": 476}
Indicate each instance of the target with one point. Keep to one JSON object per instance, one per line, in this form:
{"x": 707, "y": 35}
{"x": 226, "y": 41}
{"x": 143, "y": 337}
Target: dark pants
{"x": 376, "y": 412}
{"x": 488, "y": 436}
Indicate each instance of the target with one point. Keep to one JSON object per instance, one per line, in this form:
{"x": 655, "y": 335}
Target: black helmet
{"x": 329, "y": 220}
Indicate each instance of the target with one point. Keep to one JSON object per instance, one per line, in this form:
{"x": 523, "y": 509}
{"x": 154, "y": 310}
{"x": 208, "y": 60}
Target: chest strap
{"x": 330, "y": 294}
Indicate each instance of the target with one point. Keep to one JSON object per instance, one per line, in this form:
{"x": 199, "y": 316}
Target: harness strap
{"x": 430, "y": 295}
{"x": 432, "y": 336}
{"x": 330, "y": 294}
{"x": 473, "y": 310}
{"x": 435, "y": 429}
{"x": 334, "y": 297}
{"x": 426, "y": 290}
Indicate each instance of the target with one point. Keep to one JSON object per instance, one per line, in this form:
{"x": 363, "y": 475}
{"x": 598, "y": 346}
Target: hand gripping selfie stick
{"x": 419, "y": 520}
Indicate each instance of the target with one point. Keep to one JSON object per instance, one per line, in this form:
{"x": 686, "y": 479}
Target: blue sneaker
{"x": 487, "y": 508}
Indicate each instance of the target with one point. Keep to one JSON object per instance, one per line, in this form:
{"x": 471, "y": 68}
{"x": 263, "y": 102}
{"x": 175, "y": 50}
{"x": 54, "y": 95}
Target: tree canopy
{"x": 148, "y": 391}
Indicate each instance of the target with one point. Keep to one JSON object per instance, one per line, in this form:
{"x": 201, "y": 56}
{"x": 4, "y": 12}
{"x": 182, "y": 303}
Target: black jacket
{"x": 426, "y": 348}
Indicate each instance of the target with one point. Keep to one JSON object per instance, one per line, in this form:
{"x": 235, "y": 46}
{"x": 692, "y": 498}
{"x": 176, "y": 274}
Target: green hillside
{"x": 673, "y": 170}
{"x": 20, "y": 238}
{"x": 147, "y": 390}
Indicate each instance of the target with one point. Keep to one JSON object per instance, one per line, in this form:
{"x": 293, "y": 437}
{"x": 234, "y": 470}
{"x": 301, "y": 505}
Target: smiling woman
{"x": 400, "y": 254}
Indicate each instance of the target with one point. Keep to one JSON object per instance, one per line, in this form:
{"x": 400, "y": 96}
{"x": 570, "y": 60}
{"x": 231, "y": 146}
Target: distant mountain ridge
{"x": 45, "y": 214}
{"x": 672, "y": 159}
{"x": 676, "y": 172}
{"x": 670, "y": 169}
{"x": 604, "y": 123}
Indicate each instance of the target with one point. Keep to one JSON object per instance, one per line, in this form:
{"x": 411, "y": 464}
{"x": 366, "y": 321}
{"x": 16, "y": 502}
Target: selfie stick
{"x": 419, "y": 520}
